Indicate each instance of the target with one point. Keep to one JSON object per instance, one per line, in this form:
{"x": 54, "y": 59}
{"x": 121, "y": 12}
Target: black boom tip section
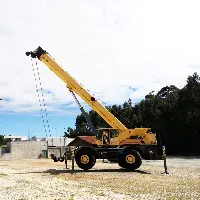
{"x": 37, "y": 53}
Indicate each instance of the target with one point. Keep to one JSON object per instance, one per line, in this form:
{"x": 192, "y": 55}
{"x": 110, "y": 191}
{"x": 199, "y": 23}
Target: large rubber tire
{"x": 130, "y": 159}
{"x": 55, "y": 159}
{"x": 85, "y": 158}
{"x": 121, "y": 163}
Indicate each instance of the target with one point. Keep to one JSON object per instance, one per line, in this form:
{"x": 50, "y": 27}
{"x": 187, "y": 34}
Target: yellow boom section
{"x": 72, "y": 84}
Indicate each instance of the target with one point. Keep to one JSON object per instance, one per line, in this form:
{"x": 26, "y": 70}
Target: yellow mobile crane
{"x": 128, "y": 145}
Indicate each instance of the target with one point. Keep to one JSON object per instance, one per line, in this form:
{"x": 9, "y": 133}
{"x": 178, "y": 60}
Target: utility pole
{"x": 65, "y": 149}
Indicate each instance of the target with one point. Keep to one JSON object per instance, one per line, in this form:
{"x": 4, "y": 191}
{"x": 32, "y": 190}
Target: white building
{"x": 41, "y": 139}
{"x": 58, "y": 141}
{"x": 52, "y": 141}
{"x": 15, "y": 137}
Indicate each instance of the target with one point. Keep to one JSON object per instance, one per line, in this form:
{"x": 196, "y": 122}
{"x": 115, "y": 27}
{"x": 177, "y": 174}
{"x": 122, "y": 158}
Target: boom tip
{"x": 28, "y": 53}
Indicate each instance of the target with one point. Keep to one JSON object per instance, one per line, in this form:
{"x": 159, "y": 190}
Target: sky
{"x": 116, "y": 49}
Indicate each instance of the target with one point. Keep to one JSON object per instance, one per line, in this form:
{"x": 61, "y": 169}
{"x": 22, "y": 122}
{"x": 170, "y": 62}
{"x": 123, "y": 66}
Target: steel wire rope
{"x": 41, "y": 99}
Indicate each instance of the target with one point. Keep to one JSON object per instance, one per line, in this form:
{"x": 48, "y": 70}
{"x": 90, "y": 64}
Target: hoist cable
{"x": 40, "y": 99}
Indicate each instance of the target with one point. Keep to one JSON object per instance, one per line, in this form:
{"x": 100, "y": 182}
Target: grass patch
{"x": 2, "y": 174}
{"x": 3, "y": 146}
{"x": 71, "y": 197}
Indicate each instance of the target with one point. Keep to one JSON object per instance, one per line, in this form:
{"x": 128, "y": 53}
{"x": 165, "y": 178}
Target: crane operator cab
{"x": 106, "y": 136}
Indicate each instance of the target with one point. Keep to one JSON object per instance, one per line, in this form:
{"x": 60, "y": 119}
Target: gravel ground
{"x": 44, "y": 179}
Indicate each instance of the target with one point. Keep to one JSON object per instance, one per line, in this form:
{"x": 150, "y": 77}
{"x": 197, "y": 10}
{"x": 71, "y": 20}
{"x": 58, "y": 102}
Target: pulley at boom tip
{"x": 28, "y": 53}
{"x": 37, "y": 53}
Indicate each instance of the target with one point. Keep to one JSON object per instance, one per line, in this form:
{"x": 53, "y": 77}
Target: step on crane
{"x": 127, "y": 146}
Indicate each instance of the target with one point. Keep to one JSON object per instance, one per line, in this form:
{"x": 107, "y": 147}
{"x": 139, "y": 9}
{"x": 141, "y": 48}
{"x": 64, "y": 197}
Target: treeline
{"x": 173, "y": 113}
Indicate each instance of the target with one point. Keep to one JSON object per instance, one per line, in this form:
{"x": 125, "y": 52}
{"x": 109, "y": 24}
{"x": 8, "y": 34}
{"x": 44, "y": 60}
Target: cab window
{"x": 113, "y": 133}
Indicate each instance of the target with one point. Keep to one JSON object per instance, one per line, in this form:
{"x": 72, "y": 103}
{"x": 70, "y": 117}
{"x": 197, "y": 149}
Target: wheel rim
{"x": 84, "y": 159}
{"x": 130, "y": 159}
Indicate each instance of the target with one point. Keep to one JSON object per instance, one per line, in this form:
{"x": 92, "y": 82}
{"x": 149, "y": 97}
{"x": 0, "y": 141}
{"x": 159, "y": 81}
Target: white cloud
{"x": 108, "y": 46}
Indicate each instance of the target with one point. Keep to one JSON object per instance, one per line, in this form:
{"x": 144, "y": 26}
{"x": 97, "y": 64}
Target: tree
{"x": 2, "y": 140}
{"x": 189, "y": 114}
{"x": 34, "y": 138}
{"x": 70, "y": 133}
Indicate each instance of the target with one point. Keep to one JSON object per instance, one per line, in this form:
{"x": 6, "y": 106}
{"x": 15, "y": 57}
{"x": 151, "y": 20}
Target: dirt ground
{"x": 44, "y": 179}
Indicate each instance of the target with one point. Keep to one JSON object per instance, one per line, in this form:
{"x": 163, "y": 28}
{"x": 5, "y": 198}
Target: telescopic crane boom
{"x": 73, "y": 85}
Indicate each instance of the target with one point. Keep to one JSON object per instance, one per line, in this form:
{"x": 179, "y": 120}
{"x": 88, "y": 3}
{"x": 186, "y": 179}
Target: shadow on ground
{"x": 69, "y": 171}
